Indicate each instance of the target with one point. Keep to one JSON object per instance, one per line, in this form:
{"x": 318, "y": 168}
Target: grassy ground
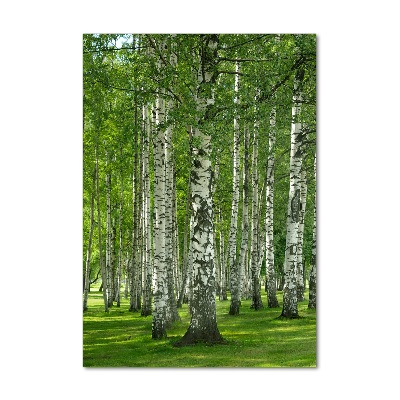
{"x": 255, "y": 338}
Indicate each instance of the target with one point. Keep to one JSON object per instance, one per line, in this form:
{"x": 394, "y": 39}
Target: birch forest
{"x": 199, "y": 179}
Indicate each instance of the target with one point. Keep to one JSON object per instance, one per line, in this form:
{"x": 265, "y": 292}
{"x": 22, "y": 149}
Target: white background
{"x": 41, "y": 197}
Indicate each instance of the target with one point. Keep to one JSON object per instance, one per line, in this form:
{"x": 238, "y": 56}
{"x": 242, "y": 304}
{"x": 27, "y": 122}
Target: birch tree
{"x": 235, "y": 293}
{"x": 222, "y": 262}
{"x": 290, "y": 309}
{"x": 89, "y": 248}
{"x": 242, "y": 265}
{"x": 300, "y": 266}
{"x": 120, "y": 262}
{"x": 172, "y": 312}
{"x": 312, "y": 302}
{"x": 102, "y": 266}
{"x": 203, "y": 324}
{"x": 255, "y": 251}
{"x": 109, "y": 266}
{"x": 147, "y": 265}
{"x": 159, "y": 325}
{"x": 135, "y": 269}
{"x": 269, "y": 214}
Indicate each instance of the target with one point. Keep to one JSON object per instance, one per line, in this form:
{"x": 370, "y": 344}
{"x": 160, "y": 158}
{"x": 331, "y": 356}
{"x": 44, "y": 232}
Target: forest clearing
{"x": 199, "y": 194}
{"x": 257, "y": 339}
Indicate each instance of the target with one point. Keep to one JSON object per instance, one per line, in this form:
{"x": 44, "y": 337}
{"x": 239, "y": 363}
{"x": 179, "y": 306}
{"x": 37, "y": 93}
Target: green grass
{"x": 254, "y": 338}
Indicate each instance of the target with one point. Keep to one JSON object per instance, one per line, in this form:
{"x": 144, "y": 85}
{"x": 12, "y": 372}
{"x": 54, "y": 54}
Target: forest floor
{"x": 254, "y": 338}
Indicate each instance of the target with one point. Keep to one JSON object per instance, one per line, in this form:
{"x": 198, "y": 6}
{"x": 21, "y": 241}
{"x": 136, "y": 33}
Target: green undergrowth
{"x": 253, "y": 338}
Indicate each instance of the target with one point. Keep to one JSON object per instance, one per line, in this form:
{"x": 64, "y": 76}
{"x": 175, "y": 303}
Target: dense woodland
{"x": 199, "y": 180}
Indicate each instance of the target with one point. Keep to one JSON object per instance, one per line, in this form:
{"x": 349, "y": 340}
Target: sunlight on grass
{"x": 254, "y": 339}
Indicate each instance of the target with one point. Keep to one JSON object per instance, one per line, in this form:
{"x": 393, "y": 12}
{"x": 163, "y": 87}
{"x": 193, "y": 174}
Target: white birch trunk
{"x": 312, "y": 302}
{"x": 216, "y": 252}
{"x": 147, "y": 268}
{"x": 300, "y": 272}
{"x": 160, "y": 270}
{"x": 293, "y": 220}
{"x": 108, "y": 287}
{"x": 89, "y": 248}
{"x": 255, "y": 252}
{"x": 242, "y": 266}
{"x": 190, "y": 261}
{"x": 101, "y": 259}
{"x": 269, "y": 215}
{"x": 203, "y": 324}
{"x": 119, "y": 271}
{"x": 134, "y": 272}
{"x": 139, "y": 227}
{"x": 172, "y": 312}
{"x": 126, "y": 279}
{"x": 222, "y": 262}
{"x": 235, "y": 298}
{"x": 175, "y": 247}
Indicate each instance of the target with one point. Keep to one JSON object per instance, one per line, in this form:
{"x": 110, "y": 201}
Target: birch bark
{"x": 300, "y": 265}
{"x": 222, "y": 262}
{"x": 133, "y": 304}
{"x": 216, "y": 252}
{"x": 255, "y": 252}
{"x": 119, "y": 270}
{"x": 203, "y": 324}
{"x": 147, "y": 270}
{"x": 293, "y": 220}
{"x": 269, "y": 215}
{"x": 242, "y": 266}
{"x": 108, "y": 287}
{"x": 172, "y": 312}
{"x": 102, "y": 266}
{"x": 235, "y": 299}
{"x": 312, "y": 302}
{"x": 160, "y": 271}
{"x": 89, "y": 248}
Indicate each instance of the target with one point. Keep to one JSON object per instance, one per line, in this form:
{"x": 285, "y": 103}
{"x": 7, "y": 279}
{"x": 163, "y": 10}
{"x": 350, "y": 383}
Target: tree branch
{"x": 248, "y": 41}
{"x": 267, "y": 96}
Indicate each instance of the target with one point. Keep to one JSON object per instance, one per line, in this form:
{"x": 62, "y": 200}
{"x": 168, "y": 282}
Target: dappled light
{"x": 254, "y": 339}
{"x": 199, "y": 200}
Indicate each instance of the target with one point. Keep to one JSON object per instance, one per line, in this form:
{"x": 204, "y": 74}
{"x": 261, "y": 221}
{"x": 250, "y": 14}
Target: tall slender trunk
{"x": 290, "y": 309}
{"x": 139, "y": 226}
{"x": 216, "y": 249}
{"x": 312, "y": 302}
{"x": 203, "y": 323}
{"x": 147, "y": 270}
{"x": 300, "y": 267}
{"x": 119, "y": 270}
{"x": 175, "y": 245}
{"x": 109, "y": 240}
{"x": 134, "y": 273}
{"x": 235, "y": 298}
{"x": 126, "y": 276}
{"x": 102, "y": 266}
{"x": 160, "y": 270}
{"x": 222, "y": 261}
{"x": 190, "y": 263}
{"x": 89, "y": 248}
{"x": 172, "y": 312}
{"x": 269, "y": 215}
{"x": 255, "y": 251}
{"x": 245, "y": 218}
